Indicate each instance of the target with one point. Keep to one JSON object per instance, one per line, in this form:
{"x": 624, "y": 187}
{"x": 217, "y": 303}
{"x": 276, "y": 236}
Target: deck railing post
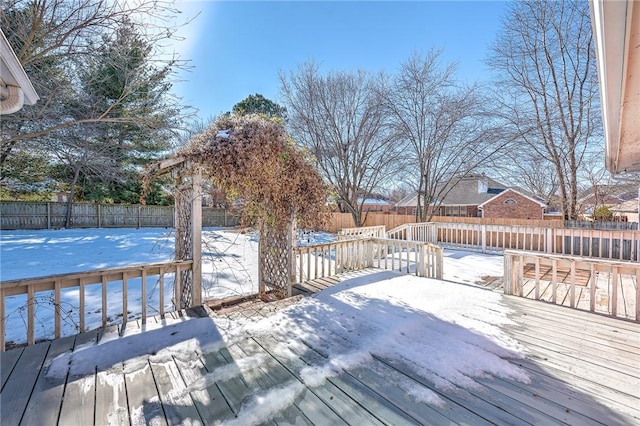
{"x": 483, "y": 232}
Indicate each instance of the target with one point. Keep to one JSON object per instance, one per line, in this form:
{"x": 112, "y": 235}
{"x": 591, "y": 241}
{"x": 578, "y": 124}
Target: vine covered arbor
{"x": 258, "y": 166}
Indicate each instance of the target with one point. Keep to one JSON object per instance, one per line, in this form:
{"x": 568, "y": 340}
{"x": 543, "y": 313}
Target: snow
{"x": 229, "y": 268}
{"x": 448, "y": 332}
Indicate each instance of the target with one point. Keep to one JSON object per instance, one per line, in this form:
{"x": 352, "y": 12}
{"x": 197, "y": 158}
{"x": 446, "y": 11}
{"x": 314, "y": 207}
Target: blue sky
{"x": 237, "y": 48}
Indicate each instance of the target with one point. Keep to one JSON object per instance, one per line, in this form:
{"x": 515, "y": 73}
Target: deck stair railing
{"x": 604, "y": 286}
{"x": 426, "y": 232}
{"x": 325, "y": 260}
{"x": 362, "y": 232}
{"x": 52, "y": 290}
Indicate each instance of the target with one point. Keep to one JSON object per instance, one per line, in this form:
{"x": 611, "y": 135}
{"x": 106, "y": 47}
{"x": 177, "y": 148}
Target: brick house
{"x": 465, "y": 198}
{"x": 512, "y": 204}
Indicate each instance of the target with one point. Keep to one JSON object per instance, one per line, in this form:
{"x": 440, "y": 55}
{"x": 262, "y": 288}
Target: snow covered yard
{"x": 229, "y": 268}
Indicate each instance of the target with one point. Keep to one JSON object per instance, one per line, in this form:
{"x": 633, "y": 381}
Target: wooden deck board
{"x": 8, "y": 361}
{"x": 584, "y": 369}
{"x": 142, "y": 397}
{"x": 17, "y": 391}
{"x": 47, "y": 393}
{"x": 332, "y": 396}
{"x": 111, "y": 398}
{"x": 209, "y": 401}
{"x": 177, "y": 404}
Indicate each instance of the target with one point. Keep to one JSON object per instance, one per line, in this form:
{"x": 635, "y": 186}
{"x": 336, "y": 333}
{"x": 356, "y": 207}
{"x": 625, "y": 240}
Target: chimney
{"x": 483, "y": 184}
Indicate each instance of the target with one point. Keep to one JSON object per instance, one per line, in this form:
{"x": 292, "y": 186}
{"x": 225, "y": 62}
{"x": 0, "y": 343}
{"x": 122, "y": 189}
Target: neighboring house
{"x": 375, "y": 205}
{"x": 626, "y": 211}
{"x": 605, "y": 195}
{"x": 513, "y": 204}
{"x": 465, "y": 198}
{"x": 16, "y": 89}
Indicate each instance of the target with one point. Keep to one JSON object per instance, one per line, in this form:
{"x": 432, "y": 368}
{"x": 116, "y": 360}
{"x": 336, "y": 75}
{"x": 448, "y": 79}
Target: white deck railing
{"x": 426, "y": 232}
{"x": 596, "y": 285}
{"x": 363, "y": 231}
{"x": 325, "y": 260}
{"x": 50, "y": 288}
{"x": 604, "y": 244}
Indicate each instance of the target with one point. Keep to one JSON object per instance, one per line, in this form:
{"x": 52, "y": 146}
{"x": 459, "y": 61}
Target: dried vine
{"x": 258, "y": 165}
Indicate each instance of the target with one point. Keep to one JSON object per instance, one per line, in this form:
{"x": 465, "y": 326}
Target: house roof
{"x": 616, "y": 29}
{"x": 464, "y": 193}
{"x": 16, "y": 89}
{"x": 373, "y": 201}
{"x": 630, "y": 206}
{"x": 515, "y": 191}
{"x": 610, "y": 193}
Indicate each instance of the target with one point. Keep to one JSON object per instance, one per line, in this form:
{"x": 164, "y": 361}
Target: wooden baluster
{"x": 58, "y": 309}
{"x": 143, "y": 295}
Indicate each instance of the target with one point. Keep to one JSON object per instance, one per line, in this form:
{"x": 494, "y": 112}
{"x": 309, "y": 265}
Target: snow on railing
{"x": 63, "y": 298}
{"x": 325, "y": 260}
{"x": 597, "y": 285}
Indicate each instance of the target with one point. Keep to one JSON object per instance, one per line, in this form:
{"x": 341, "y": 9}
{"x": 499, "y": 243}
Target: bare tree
{"x": 525, "y": 168}
{"x": 341, "y": 119}
{"x": 55, "y": 40}
{"x": 547, "y": 86}
{"x": 447, "y": 129}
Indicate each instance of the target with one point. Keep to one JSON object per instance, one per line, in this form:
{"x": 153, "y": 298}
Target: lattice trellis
{"x": 276, "y": 251}
{"x": 187, "y": 193}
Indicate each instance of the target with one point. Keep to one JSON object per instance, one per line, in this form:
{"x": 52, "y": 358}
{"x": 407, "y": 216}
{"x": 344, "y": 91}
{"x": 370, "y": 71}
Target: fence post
{"x": 548, "y": 240}
{"x": 139, "y": 211}
{"x": 48, "y": 215}
{"x": 196, "y": 236}
{"x": 483, "y": 231}
{"x": 508, "y": 276}
{"x": 99, "y": 208}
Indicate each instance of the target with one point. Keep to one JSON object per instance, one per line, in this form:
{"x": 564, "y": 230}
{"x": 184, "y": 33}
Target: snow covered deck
{"x": 376, "y": 348}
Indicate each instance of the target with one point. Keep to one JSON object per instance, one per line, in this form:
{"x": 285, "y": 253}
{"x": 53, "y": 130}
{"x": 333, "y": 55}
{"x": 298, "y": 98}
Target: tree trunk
{"x": 72, "y": 193}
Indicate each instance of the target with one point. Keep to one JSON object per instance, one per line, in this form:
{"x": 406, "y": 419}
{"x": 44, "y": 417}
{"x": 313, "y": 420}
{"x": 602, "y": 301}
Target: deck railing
{"x": 426, "y": 232}
{"x": 363, "y": 231}
{"x": 51, "y": 289}
{"x": 596, "y": 285}
{"x": 604, "y": 244}
{"x": 325, "y": 260}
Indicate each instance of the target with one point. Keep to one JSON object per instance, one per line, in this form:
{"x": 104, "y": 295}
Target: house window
{"x": 510, "y": 201}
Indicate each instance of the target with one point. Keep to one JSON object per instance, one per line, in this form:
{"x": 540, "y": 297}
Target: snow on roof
{"x": 372, "y": 201}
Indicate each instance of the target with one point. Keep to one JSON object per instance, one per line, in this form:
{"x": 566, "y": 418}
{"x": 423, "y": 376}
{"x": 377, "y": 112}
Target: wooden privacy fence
{"x": 596, "y": 285}
{"x": 390, "y": 221}
{"x": 50, "y": 291}
{"x": 50, "y": 215}
{"x": 325, "y": 260}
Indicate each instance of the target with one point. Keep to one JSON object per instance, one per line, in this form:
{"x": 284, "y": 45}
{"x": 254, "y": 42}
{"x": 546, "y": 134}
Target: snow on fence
{"x": 79, "y": 301}
{"x": 597, "y": 285}
{"x": 325, "y": 260}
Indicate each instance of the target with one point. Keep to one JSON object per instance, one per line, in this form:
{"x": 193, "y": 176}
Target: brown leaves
{"x": 254, "y": 159}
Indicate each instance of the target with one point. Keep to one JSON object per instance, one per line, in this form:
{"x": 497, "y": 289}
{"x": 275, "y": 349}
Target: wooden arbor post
{"x": 188, "y": 241}
{"x": 276, "y": 266}
{"x": 188, "y": 229}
